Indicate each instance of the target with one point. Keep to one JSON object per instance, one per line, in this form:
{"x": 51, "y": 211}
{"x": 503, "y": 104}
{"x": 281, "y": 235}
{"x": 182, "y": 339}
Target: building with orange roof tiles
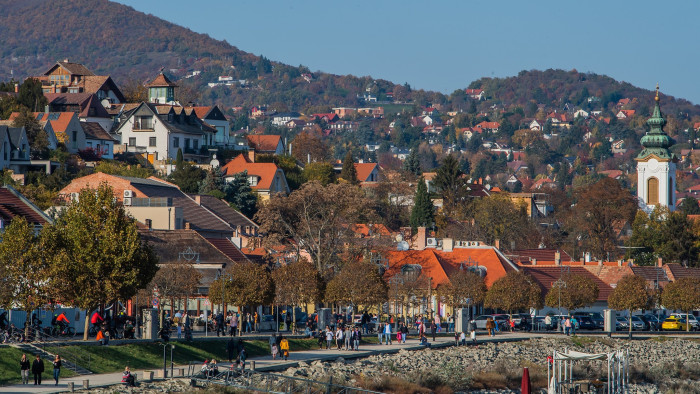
{"x": 264, "y": 178}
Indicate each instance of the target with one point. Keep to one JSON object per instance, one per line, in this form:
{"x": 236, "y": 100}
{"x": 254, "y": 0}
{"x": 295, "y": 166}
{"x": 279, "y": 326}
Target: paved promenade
{"x": 267, "y": 364}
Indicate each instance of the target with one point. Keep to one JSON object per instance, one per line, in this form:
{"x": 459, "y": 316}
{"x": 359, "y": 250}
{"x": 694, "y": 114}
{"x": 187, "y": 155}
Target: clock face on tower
{"x": 653, "y": 165}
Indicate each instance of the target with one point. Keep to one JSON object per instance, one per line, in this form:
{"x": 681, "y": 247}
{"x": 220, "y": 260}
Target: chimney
{"x": 65, "y": 60}
{"x": 447, "y": 244}
{"x": 619, "y": 263}
{"x": 187, "y": 226}
{"x": 660, "y": 262}
{"x": 198, "y": 199}
{"x": 557, "y": 258}
{"x": 251, "y": 155}
{"x": 534, "y": 261}
{"x": 497, "y": 244}
{"x": 16, "y": 88}
{"x": 420, "y": 239}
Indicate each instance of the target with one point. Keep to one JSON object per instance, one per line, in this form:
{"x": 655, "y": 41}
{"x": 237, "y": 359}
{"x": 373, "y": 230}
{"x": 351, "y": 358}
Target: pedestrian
{"x": 567, "y": 326}
{"x": 404, "y": 333}
{"x": 463, "y": 339}
{"x": 56, "y": 368}
{"x": 178, "y": 325}
{"x": 433, "y": 329}
{"x": 380, "y": 332}
{"x": 231, "y": 348}
{"x": 233, "y": 325}
{"x": 387, "y": 333}
{"x": 242, "y": 355}
{"x": 490, "y": 325}
{"x": 329, "y": 338}
{"x": 573, "y": 325}
{"x": 437, "y": 323}
{"x": 339, "y": 337}
{"x": 347, "y": 336}
{"x": 284, "y": 348}
{"x": 512, "y": 324}
{"x": 256, "y": 319}
{"x": 471, "y": 327}
{"x": 456, "y": 338}
{"x": 24, "y": 369}
{"x": 249, "y": 322}
{"x": 450, "y": 323}
{"x": 357, "y": 337}
{"x": 220, "y": 324}
{"x": 37, "y": 369}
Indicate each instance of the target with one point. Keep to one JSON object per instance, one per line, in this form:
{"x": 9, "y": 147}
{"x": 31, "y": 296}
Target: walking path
{"x": 267, "y": 364}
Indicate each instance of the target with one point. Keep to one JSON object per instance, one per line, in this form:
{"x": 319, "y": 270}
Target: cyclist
{"x": 96, "y": 320}
{"x": 62, "y": 322}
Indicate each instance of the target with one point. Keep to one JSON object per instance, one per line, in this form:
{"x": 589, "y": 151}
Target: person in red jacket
{"x": 96, "y": 320}
{"x": 62, "y": 322}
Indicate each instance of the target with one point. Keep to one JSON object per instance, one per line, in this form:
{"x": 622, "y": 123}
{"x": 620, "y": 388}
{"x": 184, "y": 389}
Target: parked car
{"x": 586, "y": 323}
{"x": 622, "y": 323}
{"x": 501, "y": 320}
{"x": 597, "y": 318}
{"x": 638, "y": 324}
{"x": 675, "y": 323}
{"x": 267, "y": 323}
{"x": 651, "y": 321}
{"x": 691, "y": 319}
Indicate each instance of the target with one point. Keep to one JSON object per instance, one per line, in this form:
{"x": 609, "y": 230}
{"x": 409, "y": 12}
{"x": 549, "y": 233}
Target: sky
{"x": 444, "y": 45}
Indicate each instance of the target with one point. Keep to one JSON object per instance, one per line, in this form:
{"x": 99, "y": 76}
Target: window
{"x": 152, "y": 141}
{"x": 132, "y": 141}
{"x": 196, "y": 144}
{"x": 253, "y": 180}
{"x": 145, "y": 122}
{"x": 74, "y": 139}
{"x": 187, "y": 143}
{"x": 652, "y": 191}
{"x": 176, "y": 142}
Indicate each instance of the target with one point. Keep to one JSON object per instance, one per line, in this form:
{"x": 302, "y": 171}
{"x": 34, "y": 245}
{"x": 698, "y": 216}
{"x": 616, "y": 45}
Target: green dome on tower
{"x": 656, "y": 142}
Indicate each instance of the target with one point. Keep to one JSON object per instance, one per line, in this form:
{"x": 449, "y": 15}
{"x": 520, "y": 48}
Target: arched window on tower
{"x": 652, "y": 191}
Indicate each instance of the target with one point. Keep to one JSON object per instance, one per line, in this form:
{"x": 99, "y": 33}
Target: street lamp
{"x": 165, "y": 362}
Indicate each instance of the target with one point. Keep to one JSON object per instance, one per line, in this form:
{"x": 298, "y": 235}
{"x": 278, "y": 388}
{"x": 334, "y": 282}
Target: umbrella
{"x": 525, "y": 384}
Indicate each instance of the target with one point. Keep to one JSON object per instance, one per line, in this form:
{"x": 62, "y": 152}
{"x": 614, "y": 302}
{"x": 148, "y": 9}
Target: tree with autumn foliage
{"x": 682, "y": 294}
{"x": 598, "y": 208}
{"x": 24, "y": 268}
{"x": 358, "y": 283}
{"x": 243, "y": 284}
{"x": 573, "y": 292}
{"x": 297, "y": 283}
{"x": 514, "y": 291}
{"x": 316, "y": 218}
{"x": 96, "y": 252}
{"x": 630, "y": 293}
{"x": 310, "y": 146}
{"x": 464, "y": 289}
{"x": 175, "y": 281}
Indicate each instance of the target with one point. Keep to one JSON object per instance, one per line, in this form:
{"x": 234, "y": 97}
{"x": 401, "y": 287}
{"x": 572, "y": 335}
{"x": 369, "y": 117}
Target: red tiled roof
{"x": 677, "y": 271}
{"x": 364, "y": 170}
{"x": 59, "y": 125}
{"x": 12, "y": 206}
{"x": 612, "y": 173}
{"x": 474, "y": 91}
{"x": 266, "y": 171}
{"x": 161, "y": 80}
{"x": 365, "y": 229}
{"x": 225, "y": 246}
{"x": 523, "y": 255}
{"x": 546, "y": 276}
{"x": 264, "y": 143}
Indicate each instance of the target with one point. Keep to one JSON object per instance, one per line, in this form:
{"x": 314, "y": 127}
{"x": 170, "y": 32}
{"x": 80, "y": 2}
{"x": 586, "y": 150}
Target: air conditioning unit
{"x": 75, "y": 197}
{"x": 127, "y": 201}
{"x": 431, "y": 242}
{"x": 128, "y": 193}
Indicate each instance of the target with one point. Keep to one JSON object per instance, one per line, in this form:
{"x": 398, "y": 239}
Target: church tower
{"x": 656, "y": 166}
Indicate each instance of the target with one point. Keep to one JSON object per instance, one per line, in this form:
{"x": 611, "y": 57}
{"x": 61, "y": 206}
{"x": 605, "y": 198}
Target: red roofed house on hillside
{"x": 491, "y": 127}
{"x": 86, "y": 105}
{"x": 266, "y": 144}
{"x": 15, "y": 205}
{"x": 328, "y": 118}
{"x": 67, "y": 77}
{"x": 264, "y": 178}
{"x": 367, "y": 172}
{"x": 625, "y": 113}
{"x": 546, "y": 276}
{"x": 214, "y": 117}
{"x": 476, "y": 94}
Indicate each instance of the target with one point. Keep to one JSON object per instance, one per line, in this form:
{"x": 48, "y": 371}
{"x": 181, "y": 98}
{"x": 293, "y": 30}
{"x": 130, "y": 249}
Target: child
{"x": 274, "y": 351}
{"x": 463, "y": 339}
{"x": 456, "y": 338}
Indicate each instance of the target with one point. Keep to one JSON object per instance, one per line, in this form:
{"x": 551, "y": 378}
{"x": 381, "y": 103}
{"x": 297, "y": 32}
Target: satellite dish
{"x": 403, "y": 245}
{"x": 399, "y": 237}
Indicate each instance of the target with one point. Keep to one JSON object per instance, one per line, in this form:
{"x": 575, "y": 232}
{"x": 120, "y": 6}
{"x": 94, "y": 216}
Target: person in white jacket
{"x": 387, "y": 333}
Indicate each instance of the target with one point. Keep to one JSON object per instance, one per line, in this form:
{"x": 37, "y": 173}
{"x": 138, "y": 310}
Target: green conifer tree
{"x": 422, "y": 214}
{"x": 349, "y": 173}
{"x": 412, "y": 163}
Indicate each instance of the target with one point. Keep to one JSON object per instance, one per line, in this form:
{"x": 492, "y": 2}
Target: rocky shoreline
{"x": 658, "y": 365}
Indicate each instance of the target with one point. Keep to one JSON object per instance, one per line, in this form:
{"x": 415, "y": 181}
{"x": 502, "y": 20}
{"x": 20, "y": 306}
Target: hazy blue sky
{"x": 444, "y": 45}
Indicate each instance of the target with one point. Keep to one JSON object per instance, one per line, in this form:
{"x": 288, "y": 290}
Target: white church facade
{"x": 656, "y": 165}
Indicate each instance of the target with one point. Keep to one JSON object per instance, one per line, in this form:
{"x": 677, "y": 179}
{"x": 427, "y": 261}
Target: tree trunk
{"x": 629, "y": 319}
{"x": 240, "y": 320}
{"x": 294, "y": 319}
{"x": 687, "y": 321}
{"x": 87, "y": 324}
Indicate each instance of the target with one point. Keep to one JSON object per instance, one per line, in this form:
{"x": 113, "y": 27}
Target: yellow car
{"x": 674, "y": 323}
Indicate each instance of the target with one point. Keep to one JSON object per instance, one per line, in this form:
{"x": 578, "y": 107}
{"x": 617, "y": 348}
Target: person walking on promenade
{"x": 256, "y": 319}
{"x": 347, "y": 336}
{"x": 284, "y": 348}
{"x": 437, "y": 322}
{"x": 37, "y": 369}
{"x": 387, "y": 333}
{"x": 404, "y": 333}
{"x": 220, "y": 324}
{"x": 357, "y": 337}
{"x": 56, "y": 368}
{"x": 450, "y": 323}
{"x": 233, "y": 325}
{"x": 433, "y": 329}
{"x": 380, "y": 332}
{"x": 329, "y": 337}
{"x": 24, "y": 369}
{"x": 490, "y": 326}
{"x": 339, "y": 337}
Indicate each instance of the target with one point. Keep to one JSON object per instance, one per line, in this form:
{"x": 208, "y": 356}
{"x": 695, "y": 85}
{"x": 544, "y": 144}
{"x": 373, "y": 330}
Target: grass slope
{"x": 9, "y": 367}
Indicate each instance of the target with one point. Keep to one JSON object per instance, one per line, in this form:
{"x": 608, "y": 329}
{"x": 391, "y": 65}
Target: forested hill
{"x": 114, "y": 39}
{"x": 555, "y": 88}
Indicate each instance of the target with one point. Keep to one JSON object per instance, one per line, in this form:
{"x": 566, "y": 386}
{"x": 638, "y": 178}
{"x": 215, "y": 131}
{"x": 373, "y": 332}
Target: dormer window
{"x": 143, "y": 123}
{"x": 253, "y": 180}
